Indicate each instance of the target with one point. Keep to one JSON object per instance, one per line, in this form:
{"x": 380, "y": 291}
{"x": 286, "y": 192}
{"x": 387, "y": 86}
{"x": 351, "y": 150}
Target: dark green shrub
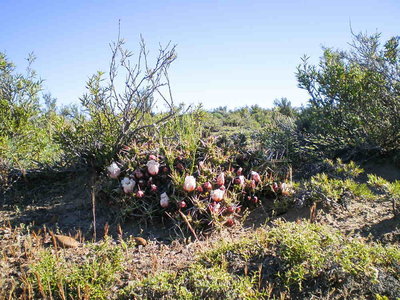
{"x": 355, "y": 96}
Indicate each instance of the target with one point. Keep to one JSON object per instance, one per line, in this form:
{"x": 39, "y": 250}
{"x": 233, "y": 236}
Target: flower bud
{"x": 207, "y": 186}
{"x": 128, "y": 185}
{"x": 217, "y": 195}
{"x": 164, "y": 200}
{"x": 138, "y": 174}
{"x": 230, "y": 209}
{"x": 230, "y": 222}
{"x": 255, "y": 176}
{"x": 153, "y": 188}
{"x": 214, "y": 207}
{"x": 189, "y": 184}
{"x": 114, "y": 170}
{"x": 179, "y": 166}
{"x": 221, "y": 179}
{"x": 152, "y": 157}
{"x": 153, "y": 167}
{"x": 252, "y": 184}
{"x": 239, "y": 180}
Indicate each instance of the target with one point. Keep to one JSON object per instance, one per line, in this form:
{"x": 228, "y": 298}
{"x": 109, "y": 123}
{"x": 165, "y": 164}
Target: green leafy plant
{"x": 389, "y": 190}
{"x": 344, "y": 84}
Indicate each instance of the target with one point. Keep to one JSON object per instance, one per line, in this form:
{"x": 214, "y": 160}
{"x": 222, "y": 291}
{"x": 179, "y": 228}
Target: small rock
{"x": 66, "y": 241}
{"x": 140, "y": 241}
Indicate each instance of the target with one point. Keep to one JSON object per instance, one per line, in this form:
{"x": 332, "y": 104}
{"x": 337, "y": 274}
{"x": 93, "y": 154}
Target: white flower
{"x": 153, "y": 167}
{"x": 217, "y": 195}
{"x": 114, "y": 170}
{"x": 190, "y": 184}
{"x": 241, "y": 180}
{"x": 128, "y": 184}
{"x": 164, "y": 200}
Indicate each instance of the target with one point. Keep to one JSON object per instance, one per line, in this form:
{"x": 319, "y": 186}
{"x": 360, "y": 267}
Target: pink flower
{"x": 239, "y": 180}
{"x": 221, "y": 179}
{"x": 128, "y": 185}
{"x": 239, "y": 171}
{"x": 153, "y": 167}
{"x": 217, "y": 195}
{"x": 190, "y": 184}
{"x": 214, "y": 207}
{"x": 114, "y": 170}
{"x": 255, "y": 176}
{"x": 164, "y": 200}
{"x": 152, "y": 157}
{"x": 253, "y": 184}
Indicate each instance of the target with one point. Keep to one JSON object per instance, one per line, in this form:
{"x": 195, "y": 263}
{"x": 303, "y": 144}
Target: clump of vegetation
{"x": 54, "y": 276}
{"x": 336, "y": 186}
{"x": 112, "y": 118}
{"x": 309, "y": 260}
{"x": 26, "y": 128}
{"x": 191, "y": 178}
{"x": 390, "y": 191}
{"x": 198, "y": 282}
{"x": 342, "y": 86}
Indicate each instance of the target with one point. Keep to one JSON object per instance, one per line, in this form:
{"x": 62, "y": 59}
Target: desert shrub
{"x": 284, "y": 106}
{"x": 279, "y": 136}
{"x": 26, "y": 128}
{"x": 282, "y": 136}
{"x": 114, "y": 115}
{"x": 354, "y": 97}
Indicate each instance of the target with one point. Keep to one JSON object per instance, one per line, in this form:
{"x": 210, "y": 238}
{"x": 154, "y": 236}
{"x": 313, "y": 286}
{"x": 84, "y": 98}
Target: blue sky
{"x": 230, "y": 53}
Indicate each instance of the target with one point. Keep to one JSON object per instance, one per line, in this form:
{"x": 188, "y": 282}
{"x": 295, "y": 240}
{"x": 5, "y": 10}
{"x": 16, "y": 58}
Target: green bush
{"x": 26, "y": 128}
{"x": 355, "y": 96}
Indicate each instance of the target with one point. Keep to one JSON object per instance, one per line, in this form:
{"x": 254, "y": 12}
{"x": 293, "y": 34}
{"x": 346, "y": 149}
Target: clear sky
{"x": 230, "y": 53}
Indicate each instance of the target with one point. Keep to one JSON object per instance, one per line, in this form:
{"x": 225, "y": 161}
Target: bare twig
{"x": 188, "y": 225}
